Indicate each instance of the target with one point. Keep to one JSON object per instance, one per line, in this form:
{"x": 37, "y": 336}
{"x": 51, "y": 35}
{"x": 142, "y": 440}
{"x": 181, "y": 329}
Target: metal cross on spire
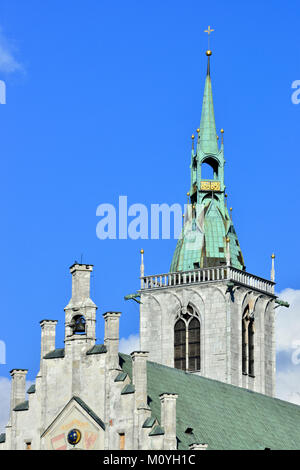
{"x": 208, "y": 31}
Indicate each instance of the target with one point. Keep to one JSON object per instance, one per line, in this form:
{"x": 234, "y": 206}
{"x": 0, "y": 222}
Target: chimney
{"x": 47, "y": 336}
{"x": 18, "y": 385}
{"x": 81, "y": 274}
{"x": 111, "y": 338}
{"x": 198, "y": 446}
{"x": 168, "y": 419}
{"x": 139, "y": 377}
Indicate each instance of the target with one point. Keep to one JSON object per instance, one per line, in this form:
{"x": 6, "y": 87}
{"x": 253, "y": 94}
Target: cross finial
{"x": 208, "y": 31}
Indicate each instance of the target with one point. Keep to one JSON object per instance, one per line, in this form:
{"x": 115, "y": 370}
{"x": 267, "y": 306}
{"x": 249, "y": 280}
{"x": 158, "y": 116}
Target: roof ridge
{"x": 223, "y": 384}
{"x": 208, "y": 379}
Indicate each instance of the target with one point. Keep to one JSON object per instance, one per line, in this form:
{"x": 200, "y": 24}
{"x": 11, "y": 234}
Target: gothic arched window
{"x": 209, "y": 168}
{"x": 194, "y": 344}
{"x": 251, "y": 346}
{"x": 244, "y": 345}
{"x": 180, "y": 345}
{"x": 187, "y": 341}
{"x": 248, "y": 330}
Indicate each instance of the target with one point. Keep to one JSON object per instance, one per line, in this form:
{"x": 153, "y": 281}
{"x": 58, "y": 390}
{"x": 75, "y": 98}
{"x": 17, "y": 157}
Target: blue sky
{"x": 102, "y": 98}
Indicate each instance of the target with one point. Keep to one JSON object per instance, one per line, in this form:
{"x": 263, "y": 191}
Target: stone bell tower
{"x": 80, "y": 313}
{"x": 207, "y": 315}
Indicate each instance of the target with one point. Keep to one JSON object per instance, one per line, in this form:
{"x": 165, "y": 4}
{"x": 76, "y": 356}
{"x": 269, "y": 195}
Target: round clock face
{"x": 74, "y": 436}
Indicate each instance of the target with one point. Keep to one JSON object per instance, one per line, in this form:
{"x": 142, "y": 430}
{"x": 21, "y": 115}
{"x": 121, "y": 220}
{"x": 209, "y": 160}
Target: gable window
{"x": 187, "y": 341}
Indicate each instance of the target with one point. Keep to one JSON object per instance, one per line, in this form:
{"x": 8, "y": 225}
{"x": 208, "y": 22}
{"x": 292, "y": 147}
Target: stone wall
{"x": 220, "y": 311}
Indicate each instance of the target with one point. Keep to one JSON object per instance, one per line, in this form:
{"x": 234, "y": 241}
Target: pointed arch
{"x": 214, "y": 164}
{"x": 248, "y": 332}
{"x": 187, "y": 340}
{"x": 245, "y": 340}
{"x": 194, "y": 344}
{"x": 251, "y": 331}
{"x": 180, "y": 344}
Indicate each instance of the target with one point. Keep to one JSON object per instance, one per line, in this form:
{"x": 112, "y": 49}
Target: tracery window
{"x": 244, "y": 346}
{"x": 187, "y": 341}
{"x": 180, "y": 345}
{"x": 251, "y": 347}
{"x": 248, "y": 331}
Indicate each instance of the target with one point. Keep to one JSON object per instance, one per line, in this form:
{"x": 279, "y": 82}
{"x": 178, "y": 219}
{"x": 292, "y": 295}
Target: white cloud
{"x": 288, "y": 347}
{"x": 130, "y": 344}
{"x": 8, "y": 62}
{"x": 288, "y": 385}
{"x": 288, "y": 321}
{"x": 4, "y": 401}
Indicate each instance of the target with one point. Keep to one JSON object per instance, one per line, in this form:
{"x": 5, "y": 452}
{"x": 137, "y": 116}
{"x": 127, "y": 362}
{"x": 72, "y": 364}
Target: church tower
{"x": 207, "y": 315}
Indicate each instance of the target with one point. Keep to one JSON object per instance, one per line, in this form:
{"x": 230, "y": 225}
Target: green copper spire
{"x": 208, "y": 134}
{"x": 208, "y": 235}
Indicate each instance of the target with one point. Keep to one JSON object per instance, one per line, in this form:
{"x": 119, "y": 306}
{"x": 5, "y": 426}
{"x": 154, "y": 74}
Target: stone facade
{"x": 83, "y": 387}
{"x": 219, "y": 310}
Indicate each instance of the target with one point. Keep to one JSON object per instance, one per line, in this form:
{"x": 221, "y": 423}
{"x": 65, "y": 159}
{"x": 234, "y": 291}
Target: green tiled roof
{"x": 208, "y": 134}
{"x": 190, "y": 437}
{"x": 97, "y": 349}
{"x": 121, "y": 377}
{"x": 129, "y": 388}
{"x": 2, "y": 438}
{"x": 206, "y": 245}
{"x": 24, "y": 406}
{"x": 31, "y": 389}
{"x": 157, "y": 431}
{"x": 149, "y": 422}
{"x": 55, "y": 354}
{"x": 221, "y": 415}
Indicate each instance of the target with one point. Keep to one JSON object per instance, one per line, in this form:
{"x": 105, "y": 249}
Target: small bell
{"x": 78, "y": 324}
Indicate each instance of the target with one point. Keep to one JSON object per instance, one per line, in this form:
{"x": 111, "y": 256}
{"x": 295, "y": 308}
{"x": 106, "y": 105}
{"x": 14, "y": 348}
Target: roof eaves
{"x": 97, "y": 349}
{"x": 149, "y": 422}
{"x": 56, "y": 353}
{"x": 31, "y": 389}
{"x": 24, "y": 406}
{"x": 157, "y": 431}
{"x": 129, "y": 388}
{"x": 121, "y": 377}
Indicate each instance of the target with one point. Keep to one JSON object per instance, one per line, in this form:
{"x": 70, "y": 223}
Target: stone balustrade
{"x": 213, "y": 274}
